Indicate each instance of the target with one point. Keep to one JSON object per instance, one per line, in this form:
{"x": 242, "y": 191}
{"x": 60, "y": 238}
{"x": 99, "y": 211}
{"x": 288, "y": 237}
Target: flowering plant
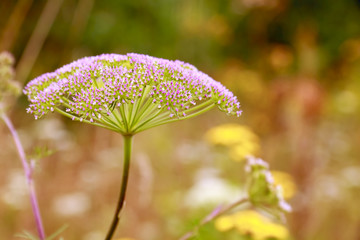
{"x": 127, "y": 94}
{"x": 258, "y": 214}
{"x": 9, "y": 90}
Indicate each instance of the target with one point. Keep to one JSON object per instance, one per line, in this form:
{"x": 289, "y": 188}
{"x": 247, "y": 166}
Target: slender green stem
{"x": 128, "y": 111}
{"x": 134, "y": 110}
{"x": 161, "y": 122}
{"x": 117, "y": 116}
{"x": 147, "y": 120}
{"x": 107, "y": 126}
{"x": 123, "y": 116}
{"x": 198, "y": 106}
{"x": 124, "y": 181}
{"x": 105, "y": 119}
{"x": 146, "y": 110}
{"x": 144, "y": 100}
{"x": 109, "y": 120}
{"x": 165, "y": 116}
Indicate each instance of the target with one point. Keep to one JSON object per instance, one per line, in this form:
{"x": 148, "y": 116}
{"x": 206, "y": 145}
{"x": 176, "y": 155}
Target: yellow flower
{"x": 273, "y": 230}
{"x": 224, "y": 223}
{"x": 287, "y": 183}
{"x": 248, "y": 222}
{"x": 125, "y": 239}
{"x": 230, "y": 134}
{"x": 252, "y": 223}
{"x": 240, "y": 140}
{"x": 240, "y": 151}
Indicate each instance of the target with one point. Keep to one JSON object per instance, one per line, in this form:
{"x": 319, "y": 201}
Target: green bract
{"x": 262, "y": 190}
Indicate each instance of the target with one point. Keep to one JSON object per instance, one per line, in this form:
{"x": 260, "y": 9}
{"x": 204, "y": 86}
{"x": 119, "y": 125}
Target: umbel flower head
{"x": 128, "y": 93}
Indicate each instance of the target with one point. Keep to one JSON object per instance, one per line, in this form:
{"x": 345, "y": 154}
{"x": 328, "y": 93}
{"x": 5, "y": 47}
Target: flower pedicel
{"x": 127, "y": 94}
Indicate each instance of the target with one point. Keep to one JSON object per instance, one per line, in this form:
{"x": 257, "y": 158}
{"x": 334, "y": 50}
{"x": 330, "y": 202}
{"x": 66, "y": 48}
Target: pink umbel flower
{"x": 128, "y": 93}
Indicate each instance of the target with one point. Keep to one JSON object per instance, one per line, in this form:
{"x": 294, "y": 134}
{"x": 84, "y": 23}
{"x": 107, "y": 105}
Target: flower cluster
{"x": 128, "y": 93}
{"x": 240, "y": 140}
{"x": 262, "y": 189}
{"x": 286, "y": 182}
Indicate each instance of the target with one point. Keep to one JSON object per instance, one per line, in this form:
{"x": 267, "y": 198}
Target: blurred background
{"x": 294, "y": 65}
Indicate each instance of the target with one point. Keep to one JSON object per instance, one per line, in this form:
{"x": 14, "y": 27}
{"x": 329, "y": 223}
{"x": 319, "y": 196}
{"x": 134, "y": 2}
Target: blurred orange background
{"x": 294, "y": 65}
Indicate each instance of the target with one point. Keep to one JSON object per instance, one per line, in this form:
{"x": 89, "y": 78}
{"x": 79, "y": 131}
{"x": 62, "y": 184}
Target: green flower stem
{"x": 117, "y": 117}
{"x": 165, "y": 116}
{"x": 114, "y": 120}
{"x": 128, "y": 111}
{"x": 199, "y": 106}
{"x": 134, "y": 109}
{"x": 145, "y": 111}
{"x": 140, "y": 103}
{"x": 107, "y": 120}
{"x": 116, "y": 129}
{"x": 142, "y": 110}
{"x": 124, "y": 181}
{"x": 161, "y": 122}
{"x": 147, "y": 120}
{"x": 123, "y": 116}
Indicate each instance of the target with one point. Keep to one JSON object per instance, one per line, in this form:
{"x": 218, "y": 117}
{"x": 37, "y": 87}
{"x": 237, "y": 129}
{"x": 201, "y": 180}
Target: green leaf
{"x": 41, "y": 152}
{"x": 55, "y": 234}
{"x": 26, "y": 235}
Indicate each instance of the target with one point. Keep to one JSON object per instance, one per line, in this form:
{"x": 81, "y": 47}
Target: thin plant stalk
{"x": 28, "y": 174}
{"x": 14, "y": 24}
{"x": 37, "y": 38}
{"x": 124, "y": 181}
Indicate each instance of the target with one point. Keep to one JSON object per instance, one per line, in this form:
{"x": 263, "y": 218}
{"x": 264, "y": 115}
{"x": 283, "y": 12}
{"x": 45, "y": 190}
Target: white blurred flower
{"x": 15, "y": 191}
{"x": 54, "y": 130}
{"x": 210, "y": 189}
{"x": 72, "y": 204}
{"x": 351, "y": 175}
